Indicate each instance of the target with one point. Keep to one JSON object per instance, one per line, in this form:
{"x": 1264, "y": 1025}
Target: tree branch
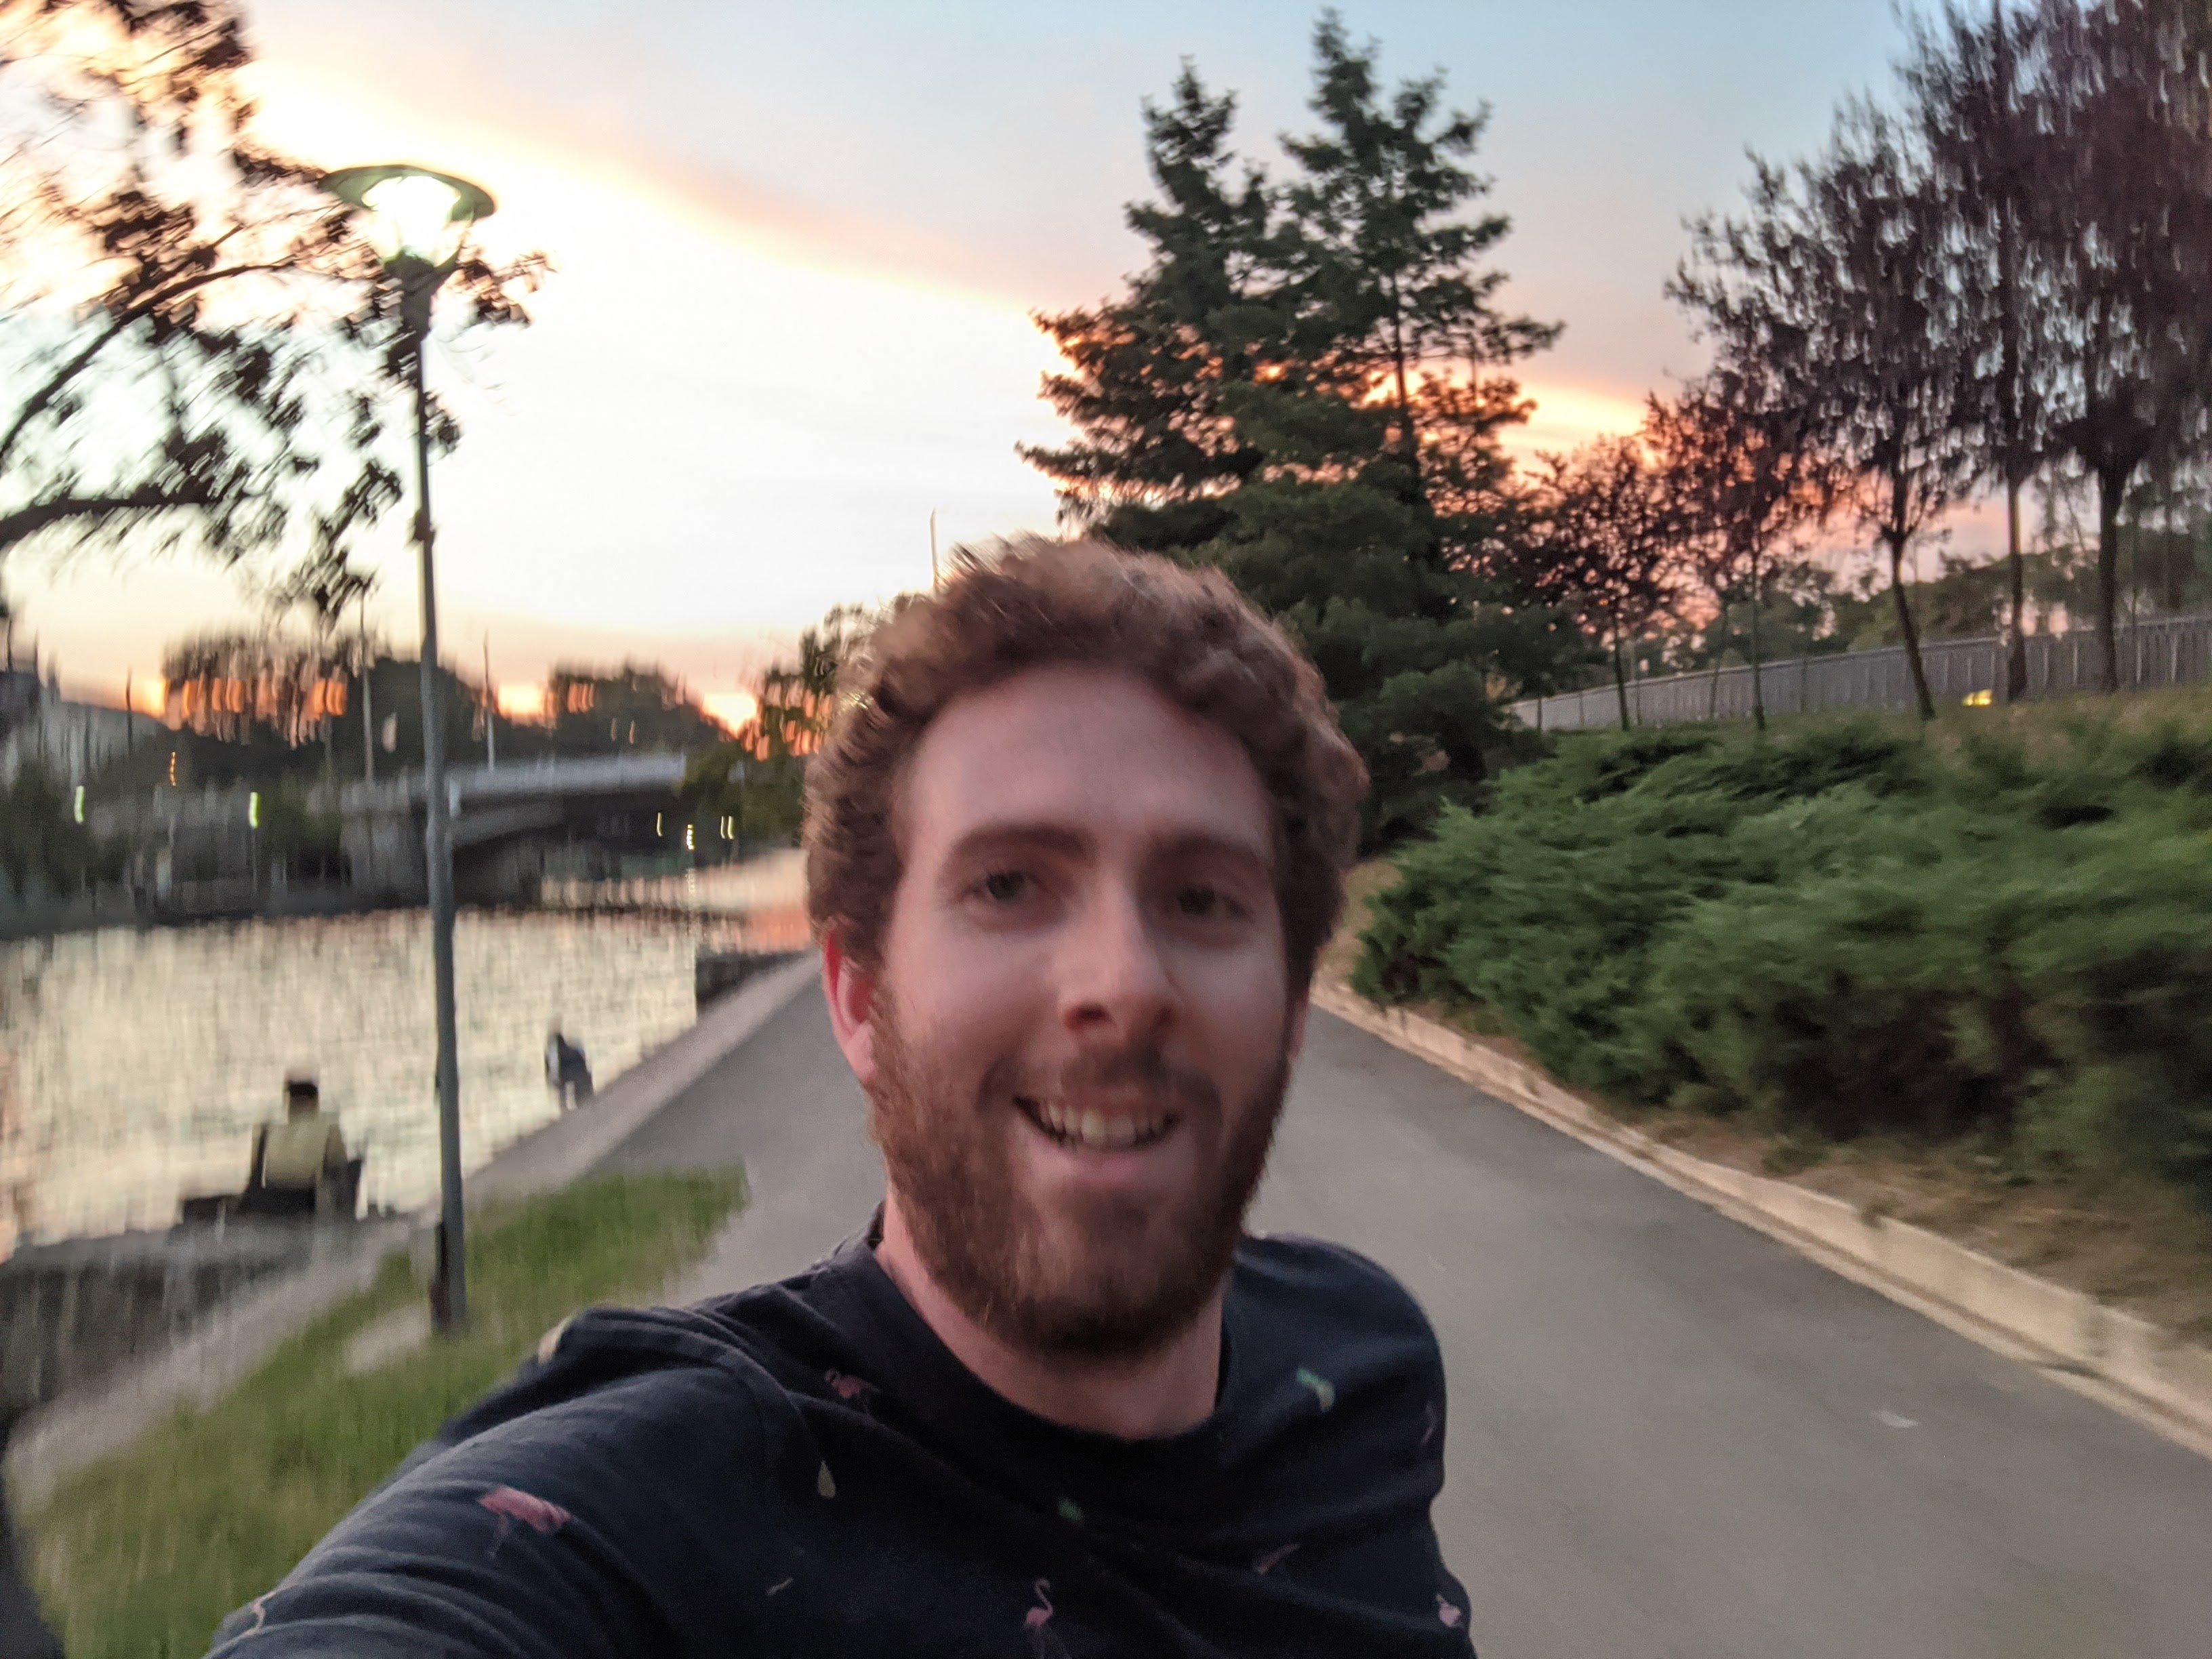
{"x": 27, "y": 521}
{"x": 41, "y": 399}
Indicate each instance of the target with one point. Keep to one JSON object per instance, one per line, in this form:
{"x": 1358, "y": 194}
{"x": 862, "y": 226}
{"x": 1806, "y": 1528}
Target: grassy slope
{"x": 144, "y": 1554}
{"x": 2134, "y": 1244}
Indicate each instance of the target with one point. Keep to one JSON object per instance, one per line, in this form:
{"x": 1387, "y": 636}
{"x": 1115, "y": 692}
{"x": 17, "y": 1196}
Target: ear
{"x": 851, "y": 991}
{"x": 1296, "y": 1042}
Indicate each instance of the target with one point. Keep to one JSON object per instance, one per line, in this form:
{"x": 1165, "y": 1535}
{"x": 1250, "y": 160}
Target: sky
{"x": 797, "y": 248}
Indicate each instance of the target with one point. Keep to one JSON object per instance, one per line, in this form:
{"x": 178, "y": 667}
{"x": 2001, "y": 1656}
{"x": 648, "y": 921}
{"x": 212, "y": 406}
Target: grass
{"x": 143, "y": 1555}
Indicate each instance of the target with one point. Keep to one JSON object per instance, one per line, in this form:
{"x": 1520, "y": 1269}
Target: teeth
{"x": 1093, "y": 1128}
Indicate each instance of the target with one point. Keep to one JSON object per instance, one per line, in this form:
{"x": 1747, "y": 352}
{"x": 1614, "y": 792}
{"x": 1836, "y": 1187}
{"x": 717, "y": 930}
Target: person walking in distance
{"x": 568, "y": 1074}
{"x": 1073, "y": 844}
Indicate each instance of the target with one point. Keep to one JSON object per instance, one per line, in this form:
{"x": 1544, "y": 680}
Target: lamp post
{"x": 416, "y": 219}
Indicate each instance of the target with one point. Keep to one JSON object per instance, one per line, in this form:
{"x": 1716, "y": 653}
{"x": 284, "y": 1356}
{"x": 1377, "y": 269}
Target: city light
{"x": 253, "y": 811}
{"x": 79, "y": 803}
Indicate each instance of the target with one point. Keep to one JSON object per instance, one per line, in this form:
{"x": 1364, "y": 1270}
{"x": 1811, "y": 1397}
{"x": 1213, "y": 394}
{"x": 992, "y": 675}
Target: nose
{"x": 1114, "y": 987}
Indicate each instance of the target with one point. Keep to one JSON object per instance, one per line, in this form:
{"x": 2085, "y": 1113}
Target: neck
{"x": 1162, "y": 1393}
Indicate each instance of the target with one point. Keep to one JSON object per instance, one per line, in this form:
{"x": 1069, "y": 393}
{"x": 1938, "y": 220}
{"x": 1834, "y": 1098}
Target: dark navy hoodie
{"x": 805, "y": 1469}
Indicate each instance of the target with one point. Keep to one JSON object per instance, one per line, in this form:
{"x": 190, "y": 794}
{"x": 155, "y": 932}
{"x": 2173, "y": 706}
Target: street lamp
{"x": 416, "y": 220}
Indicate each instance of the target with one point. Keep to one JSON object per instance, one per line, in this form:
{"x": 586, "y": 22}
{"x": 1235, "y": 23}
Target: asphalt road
{"x": 1670, "y": 1436}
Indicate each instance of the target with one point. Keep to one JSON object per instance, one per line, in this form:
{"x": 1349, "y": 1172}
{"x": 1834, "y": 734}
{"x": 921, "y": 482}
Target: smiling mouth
{"x": 1093, "y": 1130}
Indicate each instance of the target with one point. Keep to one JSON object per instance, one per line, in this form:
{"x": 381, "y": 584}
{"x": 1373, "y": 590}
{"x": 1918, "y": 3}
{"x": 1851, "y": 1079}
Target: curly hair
{"x": 1187, "y": 632}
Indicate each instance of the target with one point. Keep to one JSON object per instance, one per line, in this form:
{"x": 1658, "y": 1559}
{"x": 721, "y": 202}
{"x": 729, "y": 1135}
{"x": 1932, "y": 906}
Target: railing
{"x": 2157, "y": 651}
{"x": 648, "y": 773}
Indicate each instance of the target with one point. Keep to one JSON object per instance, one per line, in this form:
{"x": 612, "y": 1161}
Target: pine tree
{"x": 1381, "y": 274}
{"x": 1302, "y": 386}
{"x": 1147, "y": 373}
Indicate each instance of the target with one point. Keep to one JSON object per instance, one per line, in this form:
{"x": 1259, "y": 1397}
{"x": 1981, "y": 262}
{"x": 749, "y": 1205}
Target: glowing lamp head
{"x": 414, "y": 214}
{"x": 411, "y": 214}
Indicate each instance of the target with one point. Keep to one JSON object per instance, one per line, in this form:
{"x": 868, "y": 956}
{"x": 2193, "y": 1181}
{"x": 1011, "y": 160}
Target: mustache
{"x": 1142, "y": 1066}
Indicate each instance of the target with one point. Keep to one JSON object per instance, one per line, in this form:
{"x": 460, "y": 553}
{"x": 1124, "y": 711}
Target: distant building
{"x": 72, "y": 740}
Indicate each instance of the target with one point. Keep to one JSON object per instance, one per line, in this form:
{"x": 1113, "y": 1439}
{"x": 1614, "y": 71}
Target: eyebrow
{"x": 1071, "y": 843}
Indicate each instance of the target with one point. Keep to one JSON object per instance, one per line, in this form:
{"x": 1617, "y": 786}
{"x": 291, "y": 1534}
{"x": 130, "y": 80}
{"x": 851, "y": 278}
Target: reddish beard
{"x": 1137, "y": 1271}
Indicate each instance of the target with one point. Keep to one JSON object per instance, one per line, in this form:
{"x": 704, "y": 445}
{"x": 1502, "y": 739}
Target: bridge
{"x": 505, "y": 819}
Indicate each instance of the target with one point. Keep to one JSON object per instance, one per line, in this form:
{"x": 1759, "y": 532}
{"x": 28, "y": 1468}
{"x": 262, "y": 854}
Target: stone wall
{"x": 72, "y": 1312}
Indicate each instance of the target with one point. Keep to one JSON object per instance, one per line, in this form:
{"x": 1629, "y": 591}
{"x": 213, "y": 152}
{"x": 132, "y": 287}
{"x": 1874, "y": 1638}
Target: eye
{"x": 1199, "y": 902}
{"x": 1006, "y": 886}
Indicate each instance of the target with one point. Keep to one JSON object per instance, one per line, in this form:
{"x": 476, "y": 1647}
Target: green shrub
{"x": 2115, "y": 975}
{"x": 1839, "y": 1004}
{"x": 1846, "y": 930}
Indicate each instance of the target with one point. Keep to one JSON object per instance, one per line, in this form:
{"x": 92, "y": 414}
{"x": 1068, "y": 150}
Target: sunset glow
{"x": 783, "y": 333}
{"x": 1568, "y": 417}
{"x": 523, "y": 703}
{"x": 731, "y": 709}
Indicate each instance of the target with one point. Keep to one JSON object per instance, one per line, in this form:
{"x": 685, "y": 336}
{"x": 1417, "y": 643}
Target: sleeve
{"x": 589, "y": 1529}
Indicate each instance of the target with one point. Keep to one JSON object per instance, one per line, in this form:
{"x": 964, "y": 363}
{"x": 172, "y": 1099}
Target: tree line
{"x": 263, "y": 702}
{"x": 1996, "y": 282}
{"x": 1999, "y": 276}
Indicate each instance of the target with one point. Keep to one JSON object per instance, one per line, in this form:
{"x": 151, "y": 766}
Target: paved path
{"x": 1671, "y": 1438}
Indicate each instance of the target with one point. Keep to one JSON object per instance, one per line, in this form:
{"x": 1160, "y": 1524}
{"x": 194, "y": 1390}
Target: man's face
{"x": 1078, "y": 1036}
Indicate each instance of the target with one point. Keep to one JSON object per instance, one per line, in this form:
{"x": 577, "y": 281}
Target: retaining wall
{"x": 71, "y": 1313}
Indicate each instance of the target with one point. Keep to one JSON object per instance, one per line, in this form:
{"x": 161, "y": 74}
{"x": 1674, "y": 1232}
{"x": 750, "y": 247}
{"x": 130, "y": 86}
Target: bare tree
{"x": 2121, "y": 95}
{"x": 1966, "y": 79}
{"x": 1837, "y": 291}
{"x": 1744, "y": 474}
{"x": 1606, "y": 548}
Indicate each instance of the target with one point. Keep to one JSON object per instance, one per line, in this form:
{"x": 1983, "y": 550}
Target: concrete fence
{"x": 2156, "y": 652}
{"x": 70, "y": 1313}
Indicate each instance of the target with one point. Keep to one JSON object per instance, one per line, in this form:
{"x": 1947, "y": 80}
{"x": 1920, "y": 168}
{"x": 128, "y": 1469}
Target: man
{"x": 568, "y": 1074}
{"x": 300, "y": 1163}
{"x": 1072, "y": 848}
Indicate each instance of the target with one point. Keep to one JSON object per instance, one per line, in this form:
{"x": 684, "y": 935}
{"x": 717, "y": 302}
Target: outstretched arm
{"x": 585, "y": 1529}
